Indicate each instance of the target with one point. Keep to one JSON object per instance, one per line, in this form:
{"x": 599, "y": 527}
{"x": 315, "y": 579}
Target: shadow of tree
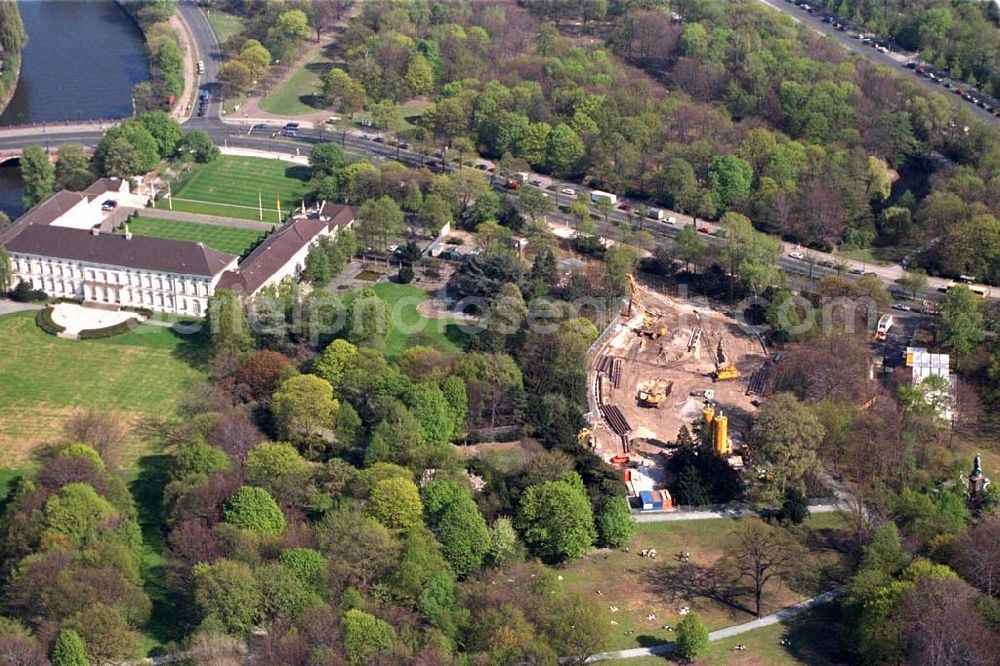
{"x": 691, "y": 581}
{"x": 193, "y": 346}
{"x": 147, "y": 489}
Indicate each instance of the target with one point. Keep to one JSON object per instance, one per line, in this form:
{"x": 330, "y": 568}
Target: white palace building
{"x": 65, "y": 247}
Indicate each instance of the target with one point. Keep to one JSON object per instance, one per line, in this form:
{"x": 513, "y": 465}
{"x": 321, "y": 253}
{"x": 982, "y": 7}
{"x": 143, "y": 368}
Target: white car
{"x": 795, "y": 254}
{"x": 568, "y": 191}
{"x": 671, "y": 220}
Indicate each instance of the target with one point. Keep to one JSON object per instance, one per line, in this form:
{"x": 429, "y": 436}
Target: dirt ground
{"x": 668, "y": 359}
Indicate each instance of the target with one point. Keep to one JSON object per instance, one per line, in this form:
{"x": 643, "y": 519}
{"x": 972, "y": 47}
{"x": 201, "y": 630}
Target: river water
{"x": 82, "y": 60}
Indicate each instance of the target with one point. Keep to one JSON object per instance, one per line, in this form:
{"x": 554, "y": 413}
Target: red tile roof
{"x": 272, "y": 254}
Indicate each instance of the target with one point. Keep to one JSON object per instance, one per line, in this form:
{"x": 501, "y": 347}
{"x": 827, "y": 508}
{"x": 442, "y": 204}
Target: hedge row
{"x": 109, "y": 331}
{"x": 44, "y": 320}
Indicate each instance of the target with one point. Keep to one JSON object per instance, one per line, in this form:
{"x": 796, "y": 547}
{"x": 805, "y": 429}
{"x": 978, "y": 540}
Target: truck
{"x": 656, "y": 213}
{"x": 516, "y": 180}
{"x": 884, "y": 324}
{"x": 598, "y": 195}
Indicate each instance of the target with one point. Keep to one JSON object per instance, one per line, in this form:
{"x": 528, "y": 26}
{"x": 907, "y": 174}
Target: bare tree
{"x": 105, "y": 432}
{"x": 941, "y": 626}
{"x": 757, "y": 554}
{"x": 976, "y": 555}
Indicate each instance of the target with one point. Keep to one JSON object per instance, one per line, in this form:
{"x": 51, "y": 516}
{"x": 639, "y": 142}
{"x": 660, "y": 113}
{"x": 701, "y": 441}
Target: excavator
{"x": 652, "y": 392}
{"x": 650, "y": 316}
{"x": 725, "y": 368}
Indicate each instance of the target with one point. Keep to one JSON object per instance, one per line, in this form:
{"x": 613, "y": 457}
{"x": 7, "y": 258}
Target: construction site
{"x": 665, "y": 364}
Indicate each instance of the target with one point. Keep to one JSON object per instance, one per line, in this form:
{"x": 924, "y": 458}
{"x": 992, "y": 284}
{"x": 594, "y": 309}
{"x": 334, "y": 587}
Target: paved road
{"x": 8, "y": 306}
{"x": 728, "y": 632}
{"x": 708, "y": 514}
{"x": 894, "y": 61}
{"x": 206, "y": 46}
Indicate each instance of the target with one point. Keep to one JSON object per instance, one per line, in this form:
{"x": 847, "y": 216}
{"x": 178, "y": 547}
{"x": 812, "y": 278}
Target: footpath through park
{"x": 727, "y": 632}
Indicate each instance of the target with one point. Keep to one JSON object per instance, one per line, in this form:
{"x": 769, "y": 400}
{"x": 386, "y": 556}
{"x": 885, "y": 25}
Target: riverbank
{"x": 9, "y": 80}
{"x": 10, "y": 75}
{"x": 165, "y": 87}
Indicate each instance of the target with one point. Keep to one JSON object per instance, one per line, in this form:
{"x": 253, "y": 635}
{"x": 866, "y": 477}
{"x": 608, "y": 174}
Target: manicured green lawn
{"x": 45, "y": 379}
{"x": 408, "y": 328}
{"x": 225, "y": 239}
{"x": 234, "y": 186}
{"x": 225, "y": 25}
{"x": 412, "y": 329}
{"x": 298, "y": 94}
{"x": 639, "y": 586}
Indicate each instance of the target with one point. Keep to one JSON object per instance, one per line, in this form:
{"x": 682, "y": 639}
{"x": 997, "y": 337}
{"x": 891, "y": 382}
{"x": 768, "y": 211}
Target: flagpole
{"x": 277, "y": 200}
{"x": 260, "y": 207}
{"x": 170, "y": 196}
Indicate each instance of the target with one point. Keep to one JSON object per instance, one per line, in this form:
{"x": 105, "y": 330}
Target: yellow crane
{"x": 650, "y": 326}
{"x": 725, "y": 368}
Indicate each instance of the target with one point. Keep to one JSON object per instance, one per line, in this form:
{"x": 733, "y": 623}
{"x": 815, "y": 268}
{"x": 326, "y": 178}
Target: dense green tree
{"x": 127, "y": 150}
{"x": 227, "y": 323}
{"x": 199, "y": 146}
{"x": 395, "y": 503}
{"x": 272, "y": 464}
{"x": 615, "y": 525}
{"x": 256, "y": 57}
{"x": 556, "y": 519}
{"x": 379, "y": 221}
{"x": 326, "y": 158}
{"x": 38, "y": 175}
{"x": 458, "y": 525}
{"x": 164, "y": 129}
{"x": 304, "y": 406}
{"x": 73, "y": 170}
{"x": 785, "y": 437}
{"x": 565, "y": 149}
{"x": 77, "y": 512}
{"x": 69, "y": 650}
{"x": 961, "y": 320}
{"x": 365, "y": 635}
{"x": 730, "y": 180}
{"x": 341, "y": 88}
{"x": 692, "y": 637}
{"x": 228, "y": 596}
{"x": 255, "y": 510}
{"x": 429, "y": 406}
{"x": 308, "y": 565}
{"x": 196, "y": 456}
{"x": 368, "y": 320}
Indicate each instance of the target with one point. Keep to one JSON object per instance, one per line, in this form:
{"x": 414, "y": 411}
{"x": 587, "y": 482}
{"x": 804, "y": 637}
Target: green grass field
{"x": 45, "y": 379}
{"x": 298, "y": 94}
{"x": 226, "y": 26}
{"x": 414, "y": 329}
{"x": 225, "y": 239}
{"x": 640, "y": 586}
{"x": 810, "y": 641}
{"x": 229, "y": 187}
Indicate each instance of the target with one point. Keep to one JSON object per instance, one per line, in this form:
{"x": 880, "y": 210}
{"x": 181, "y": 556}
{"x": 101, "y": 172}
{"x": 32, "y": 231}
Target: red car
{"x": 705, "y": 230}
{"x": 625, "y": 207}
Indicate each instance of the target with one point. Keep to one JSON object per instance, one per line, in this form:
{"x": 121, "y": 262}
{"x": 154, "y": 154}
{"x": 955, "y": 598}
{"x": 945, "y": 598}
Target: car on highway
{"x": 568, "y": 191}
{"x": 481, "y": 166}
{"x": 826, "y": 263}
{"x": 536, "y": 182}
{"x": 795, "y": 254}
{"x": 671, "y": 219}
{"x": 903, "y": 307}
{"x": 705, "y": 230}
{"x": 378, "y": 139}
{"x": 857, "y": 271}
{"x": 625, "y": 207}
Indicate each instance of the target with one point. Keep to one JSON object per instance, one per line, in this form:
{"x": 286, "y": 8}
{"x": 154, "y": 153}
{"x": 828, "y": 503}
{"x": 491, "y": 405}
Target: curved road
{"x": 895, "y": 61}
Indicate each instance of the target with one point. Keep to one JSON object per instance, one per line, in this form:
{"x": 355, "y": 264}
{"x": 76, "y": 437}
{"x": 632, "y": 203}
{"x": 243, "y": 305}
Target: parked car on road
{"x": 568, "y": 191}
{"x": 795, "y": 254}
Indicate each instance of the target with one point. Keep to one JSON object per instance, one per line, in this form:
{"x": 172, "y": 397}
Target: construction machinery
{"x": 725, "y": 368}
{"x": 585, "y": 437}
{"x": 650, "y": 326}
{"x": 652, "y": 392}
